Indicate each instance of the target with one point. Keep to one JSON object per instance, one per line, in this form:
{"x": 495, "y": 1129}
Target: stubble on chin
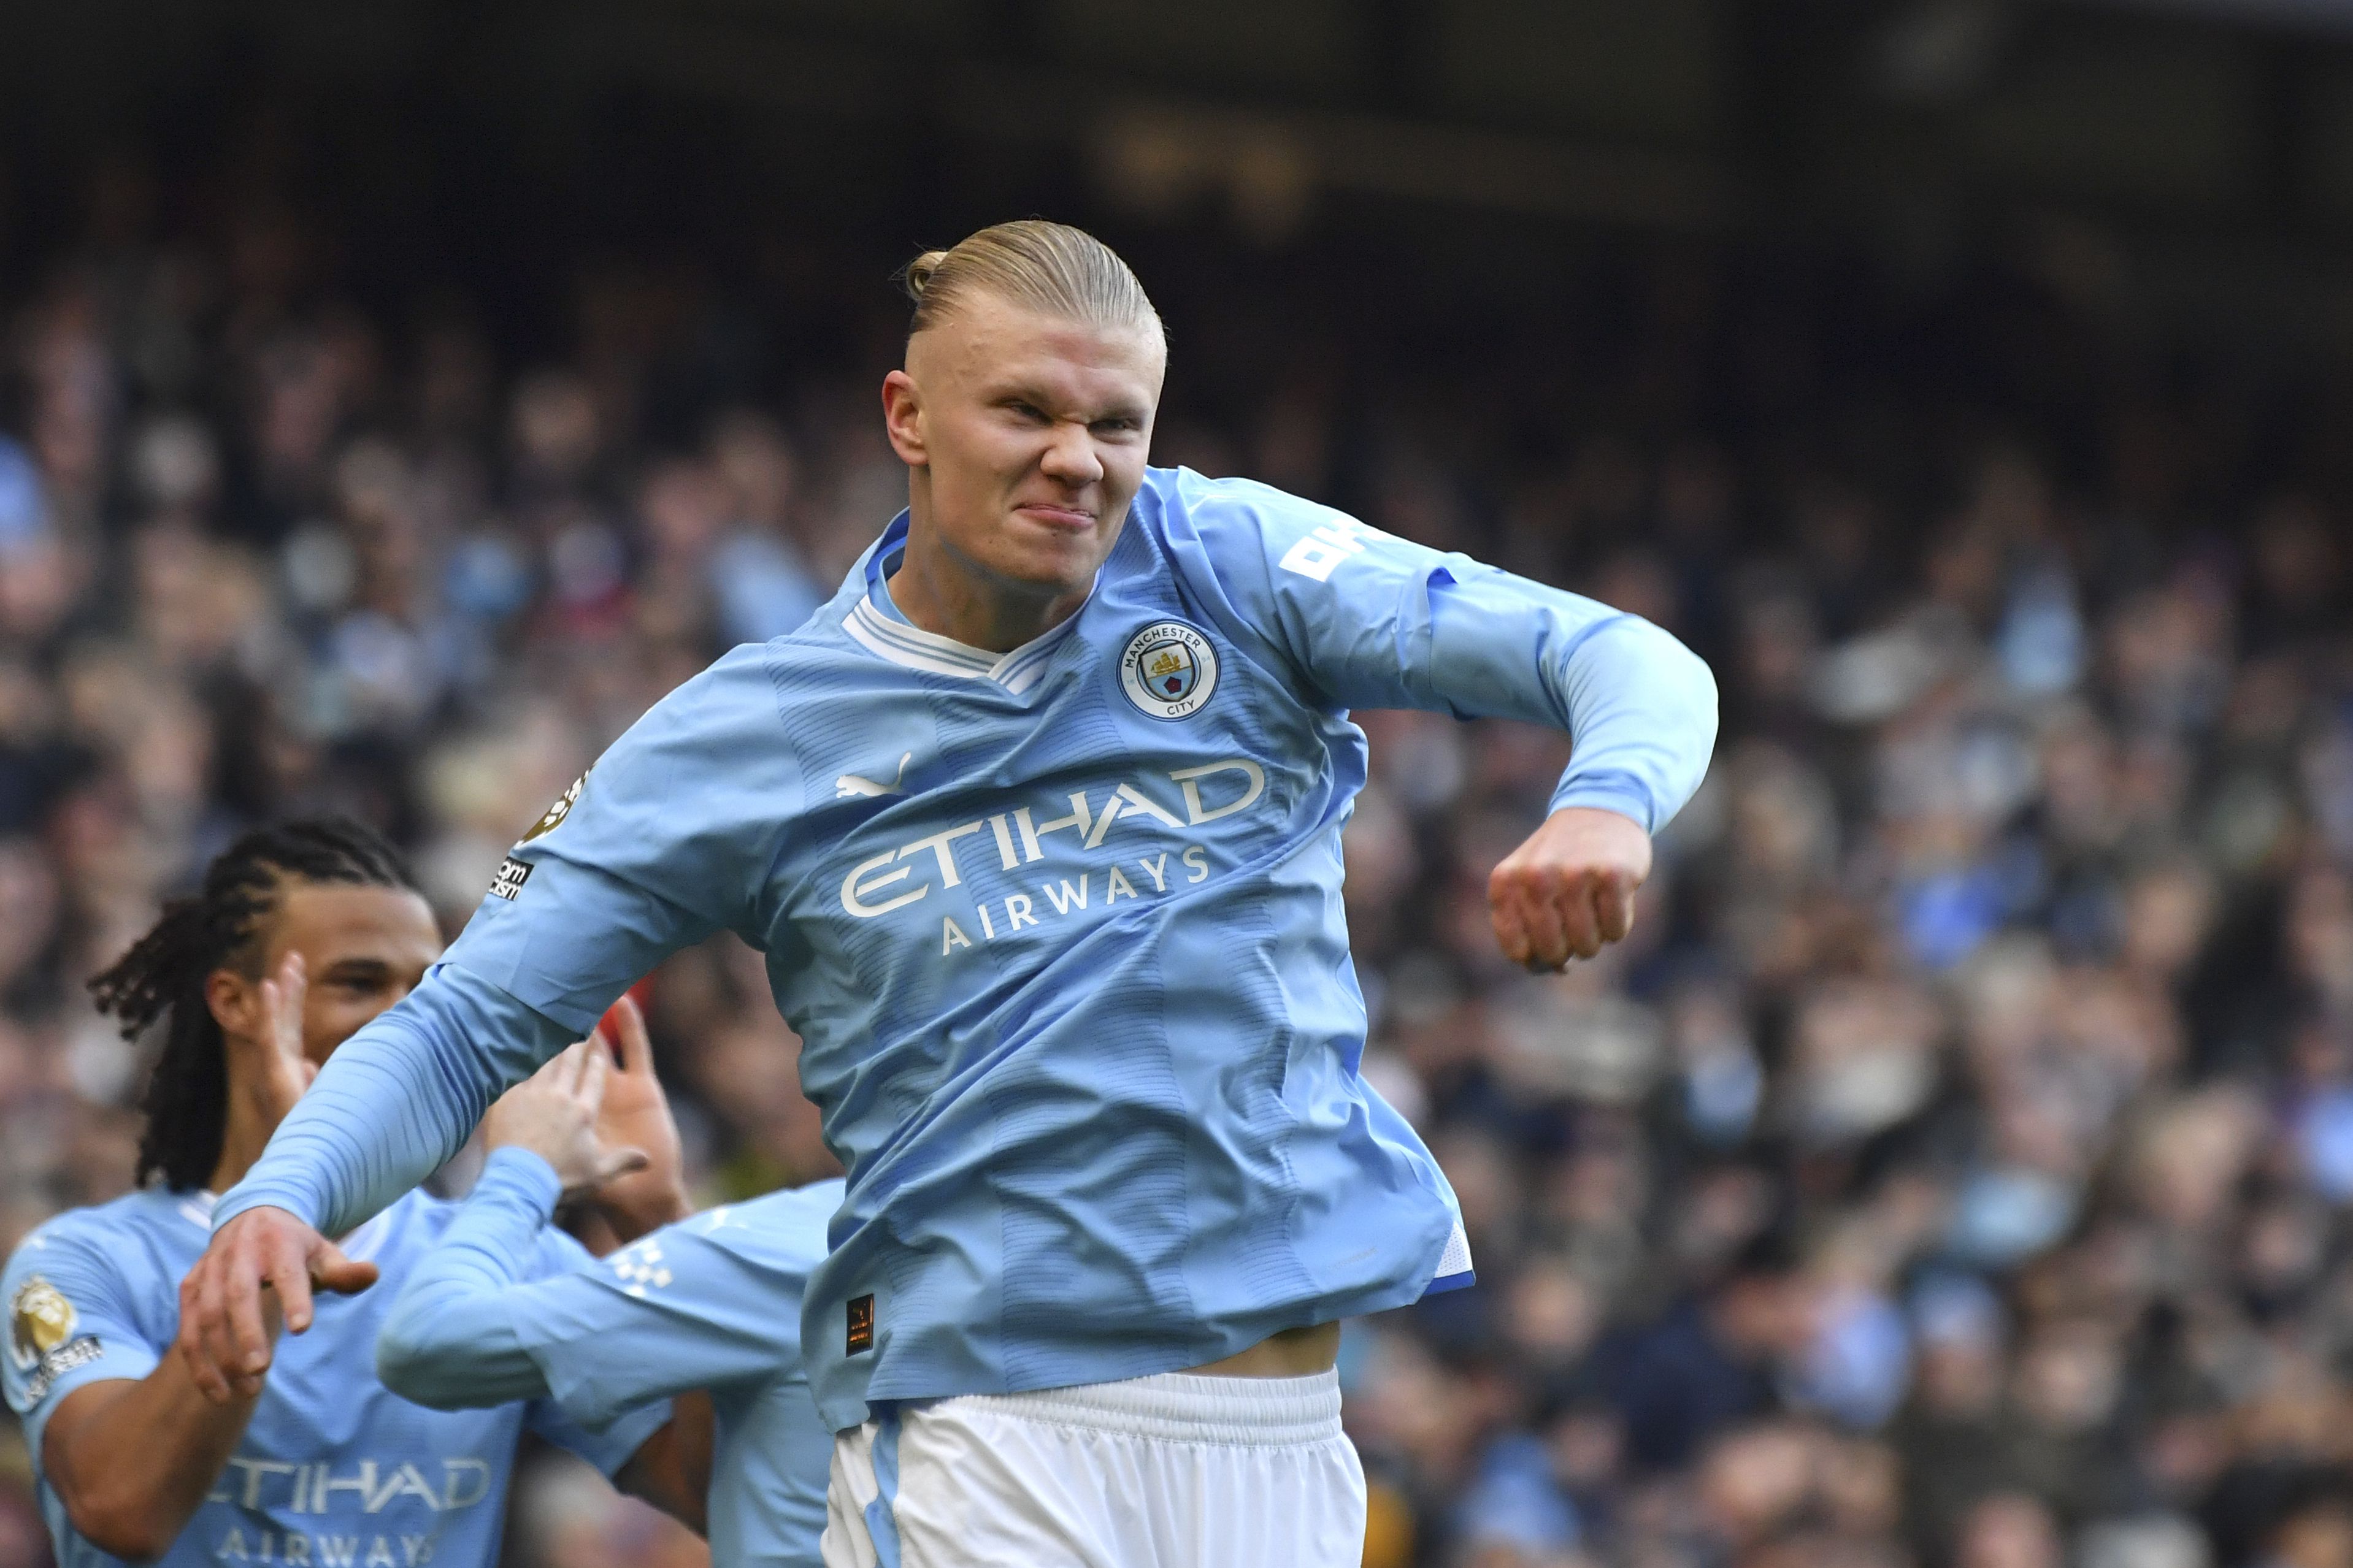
{"x": 1050, "y": 562}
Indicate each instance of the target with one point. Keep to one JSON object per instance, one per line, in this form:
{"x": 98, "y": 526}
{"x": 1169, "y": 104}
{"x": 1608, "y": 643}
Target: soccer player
{"x": 299, "y": 934}
{"x": 708, "y": 1305}
{"x": 1037, "y": 823}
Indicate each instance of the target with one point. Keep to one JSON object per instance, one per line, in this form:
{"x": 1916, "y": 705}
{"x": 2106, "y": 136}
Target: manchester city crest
{"x": 1168, "y": 670}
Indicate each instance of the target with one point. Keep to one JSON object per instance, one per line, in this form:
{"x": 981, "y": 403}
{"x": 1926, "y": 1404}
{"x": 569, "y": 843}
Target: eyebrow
{"x": 1009, "y": 387}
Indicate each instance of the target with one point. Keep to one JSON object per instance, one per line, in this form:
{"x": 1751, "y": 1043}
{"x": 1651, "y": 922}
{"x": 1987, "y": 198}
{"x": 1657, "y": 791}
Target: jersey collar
{"x": 892, "y": 637}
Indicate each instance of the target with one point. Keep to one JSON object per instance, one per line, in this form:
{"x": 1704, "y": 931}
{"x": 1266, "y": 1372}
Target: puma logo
{"x": 849, "y": 786}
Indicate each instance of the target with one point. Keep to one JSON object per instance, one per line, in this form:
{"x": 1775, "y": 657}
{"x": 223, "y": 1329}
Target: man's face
{"x": 362, "y": 950}
{"x": 1027, "y": 434}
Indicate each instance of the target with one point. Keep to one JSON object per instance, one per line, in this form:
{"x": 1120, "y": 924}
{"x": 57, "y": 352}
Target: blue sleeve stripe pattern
{"x": 395, "y": 1101}
{"x": 1374, "y": 621}
{"x": 451, "y": 1341}
{"x": 1641, "y": 712}
{"x": 1639, "y": 707}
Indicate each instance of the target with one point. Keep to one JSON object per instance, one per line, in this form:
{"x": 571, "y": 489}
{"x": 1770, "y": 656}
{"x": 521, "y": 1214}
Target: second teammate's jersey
{"x": 710, "y": 1303}
{"x": 1061, "y": 930}
{"x": 334, "y": 1470}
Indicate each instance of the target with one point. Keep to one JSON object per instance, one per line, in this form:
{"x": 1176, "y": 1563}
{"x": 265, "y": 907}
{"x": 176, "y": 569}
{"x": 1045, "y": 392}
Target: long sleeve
{"x": 396, "y": 1100}
{"x": 713, "y": 1301}
{"x": 709, "y": 1302}
{"x": 668, "y": 838}
{"x": 1368, "y": 620}
{"x": 451, "y": 1341}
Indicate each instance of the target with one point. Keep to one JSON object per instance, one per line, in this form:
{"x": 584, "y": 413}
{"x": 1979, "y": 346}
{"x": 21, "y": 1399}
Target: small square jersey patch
{"x": 512, "y": 875}
{"x": 861, "y": 1325}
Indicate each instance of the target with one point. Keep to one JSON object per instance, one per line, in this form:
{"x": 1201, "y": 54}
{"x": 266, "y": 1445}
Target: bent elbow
{"x": 1685, "y": 689}
{"x": 1699, "y": 682}
{"x": 1684, "y": 684}
{"x": 115, "y": 1506}
{"x": 119, "y": 1527}
{"x": 1699, "y": 721}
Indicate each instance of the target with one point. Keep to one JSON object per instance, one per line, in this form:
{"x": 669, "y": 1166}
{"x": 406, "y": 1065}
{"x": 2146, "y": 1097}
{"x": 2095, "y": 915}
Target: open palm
{"x": 282, "y": 1071}
{"x": 636, "y": 1115}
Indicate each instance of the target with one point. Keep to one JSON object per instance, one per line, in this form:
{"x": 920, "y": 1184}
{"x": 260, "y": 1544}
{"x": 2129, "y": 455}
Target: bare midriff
{"x": 1293, "y": 1352}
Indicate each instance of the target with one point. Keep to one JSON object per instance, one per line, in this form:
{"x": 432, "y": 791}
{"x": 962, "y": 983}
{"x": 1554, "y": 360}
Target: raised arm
{"x": 572, "y": 1130}
{"x": 452, "y": 1340}
{"x": 392, "y": 1104}
{"x": 459, "y": 1337}
{"x": 706, "y": 1302}
{"x": 701, "y": 1304}
{"x": 670, "y": 839}
{"x": 1369, "y": 620}
{"x": 673, "y": 1313}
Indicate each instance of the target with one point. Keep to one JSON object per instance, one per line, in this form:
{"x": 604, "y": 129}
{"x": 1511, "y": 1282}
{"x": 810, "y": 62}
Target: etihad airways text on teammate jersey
{"x": 1061, "y": 930}
{"x": 334, "y": 1470}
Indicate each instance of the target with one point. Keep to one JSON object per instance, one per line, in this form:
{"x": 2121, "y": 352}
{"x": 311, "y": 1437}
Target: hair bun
{"x": 920, "y": 271}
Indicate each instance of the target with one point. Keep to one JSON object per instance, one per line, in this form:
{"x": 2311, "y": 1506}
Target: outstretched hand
{"x": 1569, "y": 890}
{"x": 553, "y": 1113}
{"x": 227, "y": 1323}
{"x": 262, "y": 1267}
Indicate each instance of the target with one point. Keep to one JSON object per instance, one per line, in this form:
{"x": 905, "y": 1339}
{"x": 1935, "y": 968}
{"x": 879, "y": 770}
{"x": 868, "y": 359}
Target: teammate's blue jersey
{"x": 1061, "y": 930}
{"x": 334, "y": 1469}
{"x": 712, "y": 1302}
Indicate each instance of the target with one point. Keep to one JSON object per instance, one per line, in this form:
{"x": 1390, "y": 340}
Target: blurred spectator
{"x": 1708, "y": 1362}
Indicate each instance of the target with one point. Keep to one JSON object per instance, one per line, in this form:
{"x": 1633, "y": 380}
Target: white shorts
{"x": 1172, "y": 1471}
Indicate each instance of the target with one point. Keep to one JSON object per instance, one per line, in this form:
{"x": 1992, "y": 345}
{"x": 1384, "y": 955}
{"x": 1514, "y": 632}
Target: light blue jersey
{"x": 712, "y": 1302}
{"x": 1061, "y": 930}
{"x": 334, "y": 1469}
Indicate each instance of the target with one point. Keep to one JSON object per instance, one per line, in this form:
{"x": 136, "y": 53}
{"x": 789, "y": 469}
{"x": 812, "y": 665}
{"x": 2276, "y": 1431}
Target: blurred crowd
{"x": 1951, "y": 1171}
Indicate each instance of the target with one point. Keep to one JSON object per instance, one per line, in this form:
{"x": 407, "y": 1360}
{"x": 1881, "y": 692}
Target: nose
{"x": 1069, "y": 455}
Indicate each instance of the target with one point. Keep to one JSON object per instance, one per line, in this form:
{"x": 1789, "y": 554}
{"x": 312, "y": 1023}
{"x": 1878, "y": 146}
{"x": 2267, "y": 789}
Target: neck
{"x": 254, "y": 1114}
{"x": 242, "y": 1141}
{"x": 946, "y": 593}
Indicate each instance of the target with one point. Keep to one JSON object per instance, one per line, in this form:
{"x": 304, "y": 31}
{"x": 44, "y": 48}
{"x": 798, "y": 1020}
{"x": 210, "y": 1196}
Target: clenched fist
{"x": 1569, "y": 888}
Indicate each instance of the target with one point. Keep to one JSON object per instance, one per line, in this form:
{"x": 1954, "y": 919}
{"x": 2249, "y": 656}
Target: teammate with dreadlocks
{"x": 299, "y": 934}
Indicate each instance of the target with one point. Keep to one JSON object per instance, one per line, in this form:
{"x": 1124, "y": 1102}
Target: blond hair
{"x": 1048, "y": 267}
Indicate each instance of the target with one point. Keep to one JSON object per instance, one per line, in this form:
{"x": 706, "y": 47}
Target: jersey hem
{"x": 846, "y": 1411}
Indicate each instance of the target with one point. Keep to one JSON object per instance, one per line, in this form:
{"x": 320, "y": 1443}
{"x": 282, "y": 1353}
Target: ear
{"x": 903, "y": 419}
{"x": 234, "y": 1002}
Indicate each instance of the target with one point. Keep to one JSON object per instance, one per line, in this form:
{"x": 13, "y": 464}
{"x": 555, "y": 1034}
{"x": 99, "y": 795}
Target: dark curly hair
{"x": 165, "y": 973}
